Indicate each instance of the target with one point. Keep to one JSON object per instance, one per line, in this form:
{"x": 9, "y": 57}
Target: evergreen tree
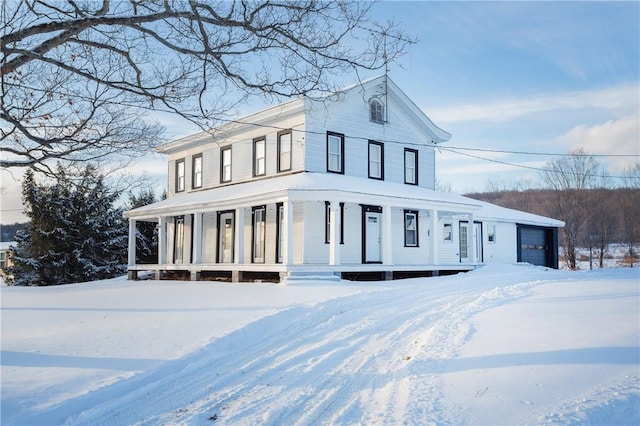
{"x": 75, "y": 233}
{"x": 146, "y": 232}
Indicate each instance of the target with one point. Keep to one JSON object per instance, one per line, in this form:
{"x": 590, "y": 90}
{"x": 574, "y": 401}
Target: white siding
{"x": 350, "y": 116}
{"x": 209, "y": 237}
{"x": 410, "y": 255}
{"x": 504, "y": 249}
{"x": 448, "y": 251}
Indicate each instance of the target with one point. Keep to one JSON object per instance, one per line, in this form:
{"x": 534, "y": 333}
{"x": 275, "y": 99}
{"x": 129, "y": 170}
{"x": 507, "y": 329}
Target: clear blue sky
{"x": 522, "y": 76}
{"x": 506, "y": 76}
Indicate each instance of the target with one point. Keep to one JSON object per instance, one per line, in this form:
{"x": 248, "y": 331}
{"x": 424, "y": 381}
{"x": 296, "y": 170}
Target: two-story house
{"x": 342, "y": 187}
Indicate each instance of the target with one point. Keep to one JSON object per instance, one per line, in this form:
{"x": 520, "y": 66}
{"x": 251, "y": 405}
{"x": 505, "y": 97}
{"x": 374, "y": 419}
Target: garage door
{"x": 534, "y": 247}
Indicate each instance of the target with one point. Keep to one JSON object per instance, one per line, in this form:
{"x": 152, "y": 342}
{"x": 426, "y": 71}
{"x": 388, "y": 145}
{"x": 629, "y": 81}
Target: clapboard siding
{"x": 503, "y": 248}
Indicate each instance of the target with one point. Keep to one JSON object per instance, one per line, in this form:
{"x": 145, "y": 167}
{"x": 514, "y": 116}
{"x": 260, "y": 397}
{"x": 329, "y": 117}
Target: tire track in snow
{"x": 371, "y": 358}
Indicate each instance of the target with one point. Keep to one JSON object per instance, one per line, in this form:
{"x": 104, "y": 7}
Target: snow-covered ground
{"x": 506, "y": 344}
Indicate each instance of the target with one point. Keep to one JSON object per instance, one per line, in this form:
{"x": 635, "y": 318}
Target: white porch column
{"x": 162, "y": 240}
{"x": 387, "y": 236}
{"x": 239, "y": 240}
{"x": 197, "y": 238}
{"x": 132, "y": 242}
{"x": 434, "y": 237}
{"x": 287, "y": 229}
{"x": 334, "y": 233}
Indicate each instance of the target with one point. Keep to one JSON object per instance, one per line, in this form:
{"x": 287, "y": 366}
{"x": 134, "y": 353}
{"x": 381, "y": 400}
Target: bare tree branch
{"x": 79, "y": 78}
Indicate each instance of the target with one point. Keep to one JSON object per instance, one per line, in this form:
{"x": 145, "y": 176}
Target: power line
{"x": 540, "y": 169}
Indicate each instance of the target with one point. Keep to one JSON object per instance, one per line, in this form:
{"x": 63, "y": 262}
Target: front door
{"x": 373, "y": 223}
{"x": 225, "y": 237}
{"x": 464, "y": 242}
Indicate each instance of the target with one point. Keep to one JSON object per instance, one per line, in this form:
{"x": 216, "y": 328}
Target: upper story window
{"x": 335, "y": 152}
{"x": 196, "y": 179}
{"x": 376, "y": 111}
{"x": 259, "y": 156}
{"x": 284, "y": 151}
{"x": 410, "y": 228}
{"x": 180, "y": 175}
{"x": 410, "y": 166}
{"x": 225, "y": 164}
{"x": 376, "y": 160}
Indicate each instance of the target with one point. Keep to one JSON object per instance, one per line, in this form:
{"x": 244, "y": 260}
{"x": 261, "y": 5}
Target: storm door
{"x": 372, "y": 240}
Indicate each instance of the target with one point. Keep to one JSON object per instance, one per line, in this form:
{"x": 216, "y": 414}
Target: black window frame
{"x": 290, "y": 141}
{"x": 415, "y": 165}
{"x": 222, "y": 153}
{"x": 341, "y": 162}
{"x": 184, "y": 177}
{"x": 381, "y": 145}
{"x": 327, "y": 222}
{"x": 256, "y": 172}
{"x": 406, "y": 230}
{"x": 193, "y": 171}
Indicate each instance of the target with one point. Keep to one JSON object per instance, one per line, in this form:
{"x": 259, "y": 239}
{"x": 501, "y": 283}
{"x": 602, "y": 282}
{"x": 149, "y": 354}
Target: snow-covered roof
{"x": 327, "y": 186}
{"x": 491, "y": 212}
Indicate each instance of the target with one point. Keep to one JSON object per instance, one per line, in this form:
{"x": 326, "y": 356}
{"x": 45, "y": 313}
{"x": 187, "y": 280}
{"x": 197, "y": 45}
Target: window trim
{"x": 416, "y": 230}
{"x": 256, "y": 164}
{"x": 327, "y": 222}
{"x": 290, "y": 141}
{"x": 448, "y": 239}
{"x": 222, "y": 165}
{"x": 376, "y": 115}
{"x": 340, "y": 136}
{"x": 415, "y": 166}
{"x": 194, "y": 185}
{"x": 180, "y": 188}
{"x": 381, "y": 145}
{"x": 491, "y": 226}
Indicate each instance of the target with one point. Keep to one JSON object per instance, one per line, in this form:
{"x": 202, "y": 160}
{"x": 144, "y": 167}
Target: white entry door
{"x": 373, "y": 228}
{"x": 464, "y": 242}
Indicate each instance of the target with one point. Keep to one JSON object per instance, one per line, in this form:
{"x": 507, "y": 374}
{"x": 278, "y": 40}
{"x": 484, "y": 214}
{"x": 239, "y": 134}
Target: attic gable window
{"x": 376, "y": 111}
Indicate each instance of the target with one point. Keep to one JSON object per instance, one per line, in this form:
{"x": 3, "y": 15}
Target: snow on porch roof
{"x": 326, "y": 186}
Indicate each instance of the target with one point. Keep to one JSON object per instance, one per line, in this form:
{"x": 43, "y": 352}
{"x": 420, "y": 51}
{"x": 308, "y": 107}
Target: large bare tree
{"x": 571, "y": 177}
{"x": 78, "y": 77}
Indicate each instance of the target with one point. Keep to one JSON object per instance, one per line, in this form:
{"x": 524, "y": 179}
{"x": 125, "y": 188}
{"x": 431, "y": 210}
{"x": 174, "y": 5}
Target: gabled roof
{"x": 409, "y": 109}
{"x": 263, "y": 117}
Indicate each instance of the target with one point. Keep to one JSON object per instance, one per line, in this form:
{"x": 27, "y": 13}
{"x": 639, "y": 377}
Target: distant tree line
{"x": 578, "y": 192}
{"x": 8, "y": 231}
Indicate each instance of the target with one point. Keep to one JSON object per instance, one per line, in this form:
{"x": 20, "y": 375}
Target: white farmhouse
{"x": 339, "y": 188}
